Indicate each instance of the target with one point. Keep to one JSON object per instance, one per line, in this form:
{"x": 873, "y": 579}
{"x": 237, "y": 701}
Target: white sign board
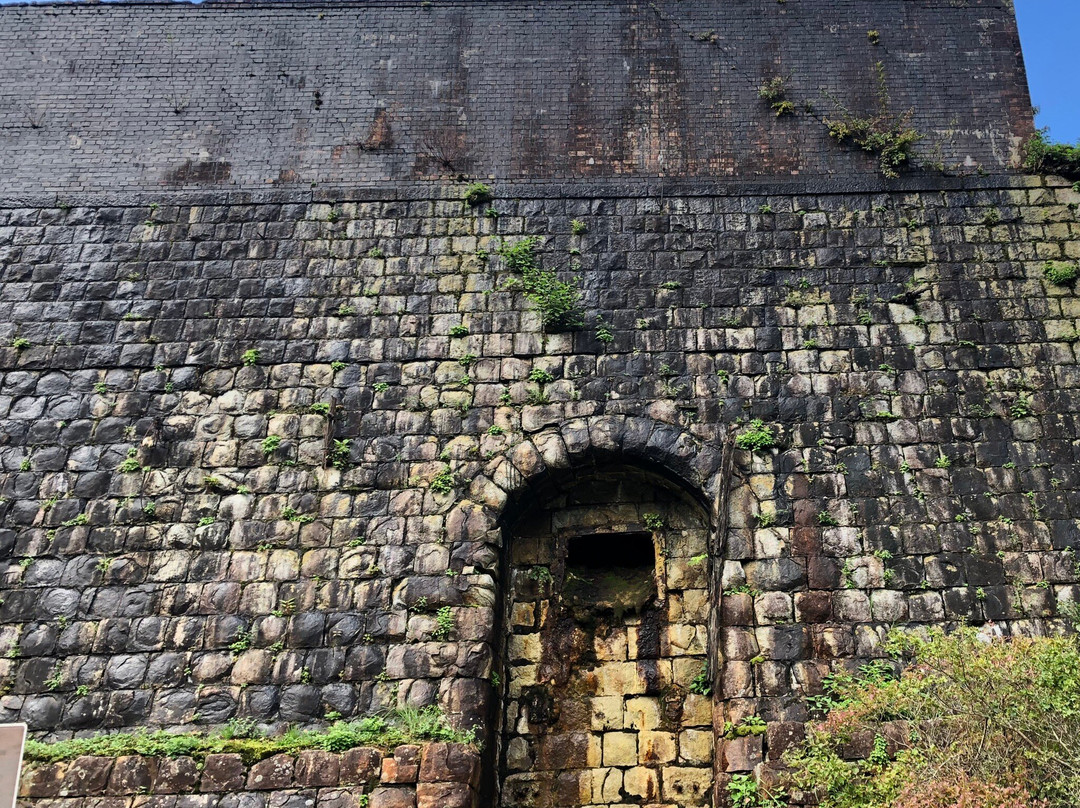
{"x": 12, "y": 739}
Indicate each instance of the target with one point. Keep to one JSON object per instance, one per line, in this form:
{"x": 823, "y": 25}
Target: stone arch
{"x": 599, "y": 452}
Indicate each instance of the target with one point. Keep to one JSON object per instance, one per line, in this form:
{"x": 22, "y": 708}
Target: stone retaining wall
{"x": 436, "y": 775}
{"x": 260, "y": 459}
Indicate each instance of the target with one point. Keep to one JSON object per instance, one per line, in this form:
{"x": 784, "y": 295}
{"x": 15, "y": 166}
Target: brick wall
{"x": 136, "y": 96}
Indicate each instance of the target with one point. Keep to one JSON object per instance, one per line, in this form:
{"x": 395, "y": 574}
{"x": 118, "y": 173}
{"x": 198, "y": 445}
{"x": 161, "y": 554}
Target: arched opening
{"x": 607, "y": 606}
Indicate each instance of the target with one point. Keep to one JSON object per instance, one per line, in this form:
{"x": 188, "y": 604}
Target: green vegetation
{"x": 744, "y": 792}
{"x": 826, "y": 519}
{"x": 1022, "y": 407}
{"x": 131, "y": 462}
{"x": 405, "y": 726}
{"x": 773, "y": 92}
{"x": 444, "y": 624}
{"x": 20, "y": 343}
{"x": 477, "y": 194}
{"x": 756, "y": 437}
{"x": 578, "y": 227}
{"x": 540, "y": 376}
{"x": 459, "y": 331}
{"x": 270, "y": 444}
{"x": 559, "y": 301}
{"x": 653, "y": 521}
{"x": 291, "y": 514}
{"x": 987, "y": 723}
{"x": 250, "y": 356}
{"x": 340, "y": 453}
{"x": 443, "y": 482}
{"x": 701, "y": 684}
{"x": 884, "y": 134}
{"x": 604, "y": 333}
{"x": 1061, "y": 273}
{"x": 751, "y": 725}
{"x": 1043, "y": 157}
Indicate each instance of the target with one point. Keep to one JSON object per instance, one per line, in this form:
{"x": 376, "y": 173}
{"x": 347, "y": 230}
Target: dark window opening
{"x": 610, "y": 574}
{"x": 602, "y": 551}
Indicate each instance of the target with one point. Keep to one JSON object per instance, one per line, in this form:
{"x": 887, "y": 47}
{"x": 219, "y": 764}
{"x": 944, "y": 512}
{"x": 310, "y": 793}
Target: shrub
{"x": 973, "y": 722}
{"x": 774, "y": 91}
{"x": 1061, "y": 273}
{"x": 1043, "y": 157}
{"x": 341, "y": 453}
{"x": 756, "y": 437}
{"x": 559, "y": 301}
{"x": 444, "y": 624}
{"x": 477, "y": 194}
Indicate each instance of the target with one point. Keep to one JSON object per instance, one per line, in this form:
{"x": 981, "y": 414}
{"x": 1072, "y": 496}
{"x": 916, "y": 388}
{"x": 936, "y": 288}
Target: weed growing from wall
{"x": 757, "y": 437}
{"x": 888, "y": 136}
{"x": 404, "y": 726}
{"x": 559, "y": 302}
{"x": 477, "y": 194}
{"x": 773, "y": 92}
{"x": 1061, "y": 273}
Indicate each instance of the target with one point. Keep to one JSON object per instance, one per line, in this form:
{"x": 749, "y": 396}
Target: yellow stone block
{"x": 686, "y": 786}
{"x": 523, "y": 648}
{"x": 655, "y": 748}
{"x": 619, "y": 679}
{"x": 697, "y": 711}
{"x": 523, "y": 615}
{"x": 521, "y": 676}
{"x": 686, "y": 640}
{"x": 606, "y": 785}
{"x": 620, "y": 749}
{"x": 642, "y": 713}
{"x": 696, "y": 746}
{"x": 611, "y": 648}
{"x": 642, "y": 783}
{"x": 607, "y": 712}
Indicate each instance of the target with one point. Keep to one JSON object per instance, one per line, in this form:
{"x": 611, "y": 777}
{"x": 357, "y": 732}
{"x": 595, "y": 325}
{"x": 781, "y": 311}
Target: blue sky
{"x": 1048, "y": 32}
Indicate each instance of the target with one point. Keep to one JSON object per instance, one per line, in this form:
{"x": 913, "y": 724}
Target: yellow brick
{"x": 523, "y": 648}
{"x": 686, "y": 640}
{"x": 697, "y": 711}
{"x": 524, "y": 615}
{"x": 611, "y": 648}
{"x": 619, "y": 679}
